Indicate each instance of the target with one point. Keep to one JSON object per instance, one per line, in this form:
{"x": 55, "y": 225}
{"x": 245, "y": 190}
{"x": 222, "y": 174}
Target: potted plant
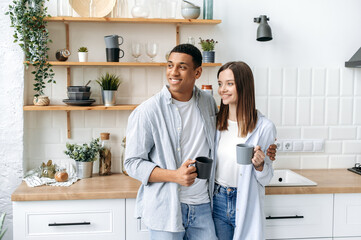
{"x": 27, "y": 19}
{"x": 208, "y": 49}
{"x": 109, "y": 84}
{"x": 84, "y": 156}
{"x": 83, "y": 54}
{"x": 2, "y": 219}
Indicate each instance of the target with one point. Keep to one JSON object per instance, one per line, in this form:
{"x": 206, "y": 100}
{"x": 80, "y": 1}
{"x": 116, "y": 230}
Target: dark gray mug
{"x": 204, "y": 167}
{"x": 244, "y": 154}
{"x": 113, "y": 54}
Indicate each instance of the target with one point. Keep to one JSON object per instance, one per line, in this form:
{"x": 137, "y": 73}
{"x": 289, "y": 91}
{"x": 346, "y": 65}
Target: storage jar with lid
{"x": 105, "y": 156}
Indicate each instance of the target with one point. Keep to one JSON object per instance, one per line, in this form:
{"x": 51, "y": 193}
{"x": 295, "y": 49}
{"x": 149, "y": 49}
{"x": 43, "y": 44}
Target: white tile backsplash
{"x": 290, "y": 82}
{"x": 357, "y": 111}
{"x": 303, "y": 111}
{"x": 275, "y": 81}
{"x": 343, "y": 133}
{"x": 315, "y": 132}
{"x": 333, "y": 82}
{"x": 351, "y": 147}
{"x": 314, "y": 161}
{"x": 304, "y": 81}
{"x": 347, "y": 82}
{"x": 261, "y": 81}
{"x": 333, "y": 147}
{"x": 318, "y": 82}
{"x": 342, "y": 161}
{"x": 317, "y": 111}
{"x": 289, "y": 107}
{"x": 332, "y": 111}
{"x": 275, "y": 110}
{"x": 346, "y": 111}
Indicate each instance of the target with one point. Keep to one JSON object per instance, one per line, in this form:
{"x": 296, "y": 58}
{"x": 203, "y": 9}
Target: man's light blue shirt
{"x": 153, "y": 139}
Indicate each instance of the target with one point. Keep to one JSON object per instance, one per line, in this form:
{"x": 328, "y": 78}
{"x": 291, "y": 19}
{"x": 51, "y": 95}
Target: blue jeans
{"x": 224, "y": 211}
{"x": 197, "y": 222}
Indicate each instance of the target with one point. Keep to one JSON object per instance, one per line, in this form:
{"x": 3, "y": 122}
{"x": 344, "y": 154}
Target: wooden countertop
{"x": 121, "y": 186}
{"x": 97, "y": 187}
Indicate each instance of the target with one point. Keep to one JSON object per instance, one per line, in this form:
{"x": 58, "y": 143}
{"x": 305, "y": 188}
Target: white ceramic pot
{"x": 83, "y": 56}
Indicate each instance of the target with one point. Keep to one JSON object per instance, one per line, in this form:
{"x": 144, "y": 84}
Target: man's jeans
{"x": 224, "y": 211}
{"x": 197, "y": 222}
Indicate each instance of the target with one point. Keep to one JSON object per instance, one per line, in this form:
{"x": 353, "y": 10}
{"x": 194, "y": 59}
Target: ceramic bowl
{"x": 191, "y": 13}
{"x": 186, "y": 4}
{"x": 78, "y": 89}
{"x": 79, "y": 95}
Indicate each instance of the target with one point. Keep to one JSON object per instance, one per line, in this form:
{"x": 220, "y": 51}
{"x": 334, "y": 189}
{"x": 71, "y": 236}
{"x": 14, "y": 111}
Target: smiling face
{"x": 227, "y": 87}
{"x": 181, "y": 75}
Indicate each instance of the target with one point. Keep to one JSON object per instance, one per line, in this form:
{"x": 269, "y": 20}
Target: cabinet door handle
{"x": 284, "y": 217}
{"x": 68, "y": 224}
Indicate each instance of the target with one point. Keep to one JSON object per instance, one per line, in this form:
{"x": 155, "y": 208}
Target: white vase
{"x": 83, "y": 56}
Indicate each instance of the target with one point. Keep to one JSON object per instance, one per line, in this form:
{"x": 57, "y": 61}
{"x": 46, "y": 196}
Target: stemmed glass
{"x": 152, "y": 50}
{"x": 136, "y": 50}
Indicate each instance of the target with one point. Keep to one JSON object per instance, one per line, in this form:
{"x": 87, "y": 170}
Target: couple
{"x": 180, "y": 123}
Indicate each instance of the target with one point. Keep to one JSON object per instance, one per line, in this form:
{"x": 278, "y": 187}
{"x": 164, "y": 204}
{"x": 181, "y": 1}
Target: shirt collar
{"x": 168, "y": 96}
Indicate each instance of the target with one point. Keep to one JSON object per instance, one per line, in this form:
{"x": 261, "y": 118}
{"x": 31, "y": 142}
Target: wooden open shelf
{"x": 80, "y": 108}
{"x": 125, "y": 64}
{"x": 133, "y": 20}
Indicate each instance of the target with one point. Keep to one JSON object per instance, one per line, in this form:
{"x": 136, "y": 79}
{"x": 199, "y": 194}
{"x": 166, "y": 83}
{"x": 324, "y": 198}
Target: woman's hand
{"x": 258, "y": 159}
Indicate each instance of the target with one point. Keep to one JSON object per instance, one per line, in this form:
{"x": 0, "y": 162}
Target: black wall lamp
{"x": 264, "y": 32}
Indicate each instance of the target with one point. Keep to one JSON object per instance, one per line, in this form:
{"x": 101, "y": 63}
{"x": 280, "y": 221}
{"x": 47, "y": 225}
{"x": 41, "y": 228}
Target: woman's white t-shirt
{"x": 227, "y": 167}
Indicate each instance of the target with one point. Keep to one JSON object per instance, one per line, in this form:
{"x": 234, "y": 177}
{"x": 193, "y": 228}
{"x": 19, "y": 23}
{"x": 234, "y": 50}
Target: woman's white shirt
{"x": 227, "y": 168}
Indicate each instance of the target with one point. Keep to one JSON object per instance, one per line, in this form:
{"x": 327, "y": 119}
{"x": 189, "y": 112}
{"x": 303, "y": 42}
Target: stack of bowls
{"x": 79, "y": 92}
{"x": 190, "y": 10}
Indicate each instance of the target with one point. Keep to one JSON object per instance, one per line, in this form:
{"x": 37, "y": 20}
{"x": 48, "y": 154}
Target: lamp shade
{"x": 264, "y": 32}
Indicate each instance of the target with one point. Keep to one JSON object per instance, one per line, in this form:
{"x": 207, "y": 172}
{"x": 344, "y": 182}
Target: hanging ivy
{"x": 30, "y": 32}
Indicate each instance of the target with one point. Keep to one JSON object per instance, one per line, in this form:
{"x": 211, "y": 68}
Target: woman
{"x": 240, "y": 189}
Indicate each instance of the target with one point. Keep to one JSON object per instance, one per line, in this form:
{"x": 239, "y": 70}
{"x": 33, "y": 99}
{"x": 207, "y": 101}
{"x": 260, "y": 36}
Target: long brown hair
{"x": 246, "y": 105}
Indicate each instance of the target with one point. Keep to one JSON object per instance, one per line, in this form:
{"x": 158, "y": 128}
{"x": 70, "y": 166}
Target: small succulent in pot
{"x": 207, "y": 44}
{"x": 83, "y": 54}
{"x": 83, "y": 49}
{"x": 84, "y": 152}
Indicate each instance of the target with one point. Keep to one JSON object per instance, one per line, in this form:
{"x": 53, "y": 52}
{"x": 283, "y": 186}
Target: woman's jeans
{"x": 224, "y": 211}
{"x": 197, "y": 222}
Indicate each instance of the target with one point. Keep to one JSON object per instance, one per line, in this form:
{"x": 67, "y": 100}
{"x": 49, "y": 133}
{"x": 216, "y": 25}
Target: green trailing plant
{"x": 83, "y": 49}
{"x": 109, "y": 82}
{"x": 207, "y": 44}
{"x": 85, "y": 152}
{"x": 28, "y": 20}
{"x": 2, "y": 231}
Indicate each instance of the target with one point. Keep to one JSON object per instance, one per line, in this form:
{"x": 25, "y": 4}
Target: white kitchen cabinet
{"x": 69, "y": 219}
{"x": 347, "y": 215}
{"x": 299, "y": 216}
{"x": 135, "y": 229}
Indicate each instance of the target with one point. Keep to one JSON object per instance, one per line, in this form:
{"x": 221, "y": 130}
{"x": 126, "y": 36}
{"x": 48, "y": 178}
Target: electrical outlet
{"x": 318, "y": 145}
{"x": 307, "y": 146}
{"x": 287, "y": 145}
{"x": 279, "y": 145}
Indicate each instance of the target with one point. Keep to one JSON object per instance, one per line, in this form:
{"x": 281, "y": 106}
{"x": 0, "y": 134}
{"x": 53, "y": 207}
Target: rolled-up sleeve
{"x": 139, "y": 144}
{"x": 266, "y": 138}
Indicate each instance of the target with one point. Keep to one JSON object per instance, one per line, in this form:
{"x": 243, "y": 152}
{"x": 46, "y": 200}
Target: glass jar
{"x": 191, "y": 40}
{"x": 140, "y": 10}
{"x": 105, "y": 156}
{"x": 62, "y": 54}
{"x": 122, "y": 152}
{"x": 207, "y": 89}
{"x": 61, "y": 175}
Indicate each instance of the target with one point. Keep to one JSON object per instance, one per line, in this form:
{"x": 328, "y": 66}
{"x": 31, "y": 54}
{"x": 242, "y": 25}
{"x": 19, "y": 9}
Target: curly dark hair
{"x": 190, "y": 50}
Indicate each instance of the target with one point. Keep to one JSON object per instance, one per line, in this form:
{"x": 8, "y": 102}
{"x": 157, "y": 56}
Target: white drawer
{"x": 347, "y": 215}
{"x": 298, "y": 216}
{"x": 70, "y": 219}
{"x": 70, "y": 222}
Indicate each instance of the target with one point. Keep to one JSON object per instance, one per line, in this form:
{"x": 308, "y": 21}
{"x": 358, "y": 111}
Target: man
{"x": 164, "y": 134}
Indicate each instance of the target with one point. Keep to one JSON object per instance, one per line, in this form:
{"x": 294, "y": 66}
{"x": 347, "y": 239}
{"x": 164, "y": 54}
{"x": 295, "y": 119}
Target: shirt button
{"x": 178, "y": 149}
{"x": 178, "y": 129}
{"x": 176, "y": 109}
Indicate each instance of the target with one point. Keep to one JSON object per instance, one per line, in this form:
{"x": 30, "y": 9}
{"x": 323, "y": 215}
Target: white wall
{"x": 302, "y": 85}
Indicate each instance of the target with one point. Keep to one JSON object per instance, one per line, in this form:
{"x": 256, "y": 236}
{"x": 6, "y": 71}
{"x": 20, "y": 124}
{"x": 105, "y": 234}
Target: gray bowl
{"x": 78, "y": 89}
{"x": 191, "y": 13}
{"x": 79, "y": 95}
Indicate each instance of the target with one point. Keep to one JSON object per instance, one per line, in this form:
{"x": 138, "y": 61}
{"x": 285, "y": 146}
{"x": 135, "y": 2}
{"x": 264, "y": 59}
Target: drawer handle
{"x": 284, "y": 217}
{"x": 68, "y": 224}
